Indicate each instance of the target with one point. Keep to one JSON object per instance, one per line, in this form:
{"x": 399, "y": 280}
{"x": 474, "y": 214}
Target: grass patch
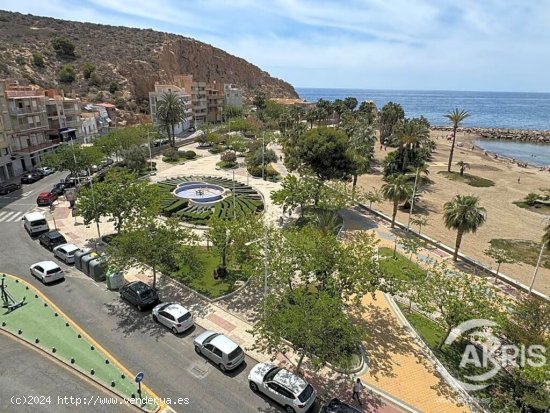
{"x": 468, "y": 179}
{"x": 522, "y": 250}
{"x": 538, "y": 207}
{"x": 227, "y": 165}
{"x": 202, "y": 280}
{"x": 400, "y": 267}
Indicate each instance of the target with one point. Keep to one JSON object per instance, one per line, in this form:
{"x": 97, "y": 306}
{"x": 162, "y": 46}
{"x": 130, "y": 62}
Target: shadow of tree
{"x": 357, "y": 219}
{"x": 170, "y": 290}
{"x": 129, "y": 320}
{"x": 247, "y": 303}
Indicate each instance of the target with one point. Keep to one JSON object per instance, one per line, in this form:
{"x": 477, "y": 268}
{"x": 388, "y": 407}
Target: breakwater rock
{"x": 518, "y": 135}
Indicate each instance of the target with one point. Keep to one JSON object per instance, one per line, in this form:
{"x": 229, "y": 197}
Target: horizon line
{"x": 420, "y": 90}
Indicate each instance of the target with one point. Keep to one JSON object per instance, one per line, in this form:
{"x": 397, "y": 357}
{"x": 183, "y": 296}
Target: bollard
{"x": 92, "y": 372}
{"x": 54, "y": 350}
{"x": 37, "y": 340}
{"x": 72, "y": 360}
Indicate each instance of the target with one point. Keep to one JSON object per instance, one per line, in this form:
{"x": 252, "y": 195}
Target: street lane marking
{"x": 10, "y": 216}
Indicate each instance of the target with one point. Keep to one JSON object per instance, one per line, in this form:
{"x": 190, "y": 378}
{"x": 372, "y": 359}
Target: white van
{"x": 35, "y": 223}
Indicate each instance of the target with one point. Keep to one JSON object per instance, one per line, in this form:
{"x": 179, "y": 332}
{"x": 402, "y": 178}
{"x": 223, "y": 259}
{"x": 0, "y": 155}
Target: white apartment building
{"x": 233, "y": 95}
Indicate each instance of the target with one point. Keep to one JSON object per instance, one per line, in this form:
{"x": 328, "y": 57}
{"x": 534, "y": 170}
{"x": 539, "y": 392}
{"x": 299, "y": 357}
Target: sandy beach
{"x": 504, "y": 219}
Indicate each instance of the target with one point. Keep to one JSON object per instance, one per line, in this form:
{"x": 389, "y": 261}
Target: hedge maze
{"x": 247, "y": 200}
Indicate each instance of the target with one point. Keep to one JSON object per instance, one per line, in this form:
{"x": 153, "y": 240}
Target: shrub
{"x": 66, "y": 74}
{"x": 38, "y": 59}
{"x": 256, "y": 171}
{"x": 20, "y": 60}
{"x": 216, "y": 149}
{"x": 531, "y": 199}
{"x": 63, "y": 47}
{"x": 114, "y": 87}
{"x": 170, "y": 155}
{"x": 189, "y": 154}
{"x": 87, "y": 70}
{"x": 229, "y": 157}
{"x": 95, "y": 80}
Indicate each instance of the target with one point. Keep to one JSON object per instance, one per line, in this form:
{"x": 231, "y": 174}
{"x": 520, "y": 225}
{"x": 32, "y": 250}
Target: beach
{"x": 505, "y": 220}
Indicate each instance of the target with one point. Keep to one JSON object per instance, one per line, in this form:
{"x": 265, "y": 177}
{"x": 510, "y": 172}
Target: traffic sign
{"x": 139, "y": 377}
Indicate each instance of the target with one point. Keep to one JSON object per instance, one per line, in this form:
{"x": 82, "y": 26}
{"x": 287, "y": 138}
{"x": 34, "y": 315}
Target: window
{"x": 184, "y": 317}
{"x": 235, "y": 353}
{"x": 306, "y": 394}
{"x": 217, "y": 351}
{"x": 39, "y": 268}
{"x": 54, "y": 271}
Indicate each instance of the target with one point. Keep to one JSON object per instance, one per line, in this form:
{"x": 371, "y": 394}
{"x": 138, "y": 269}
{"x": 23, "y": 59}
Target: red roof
{"x": 105, "y": 105}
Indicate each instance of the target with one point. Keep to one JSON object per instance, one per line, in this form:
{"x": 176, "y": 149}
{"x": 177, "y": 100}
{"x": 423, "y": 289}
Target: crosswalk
{"x": 10, "y": 216}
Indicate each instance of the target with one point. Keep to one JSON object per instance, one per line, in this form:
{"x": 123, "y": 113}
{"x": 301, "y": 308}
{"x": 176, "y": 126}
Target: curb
{"x": 77, "y": 327}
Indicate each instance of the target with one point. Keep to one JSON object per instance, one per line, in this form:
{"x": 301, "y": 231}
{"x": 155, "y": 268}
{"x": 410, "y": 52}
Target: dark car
{"x": 52, "y": 239}
{"x": 39, "y": 172}
{"x": 7, "y": 188}
{"x": 139, "y": 294}
{"x": 337, "y": 406}
{"x": 30, "y": 178}
{"x": 46, "y": 198}
{"x": 191, "y": 129}
{"x": 59, "y": 189}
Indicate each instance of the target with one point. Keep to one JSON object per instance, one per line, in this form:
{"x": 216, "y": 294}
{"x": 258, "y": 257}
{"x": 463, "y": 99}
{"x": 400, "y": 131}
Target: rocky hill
{"x": 122, "y": 63}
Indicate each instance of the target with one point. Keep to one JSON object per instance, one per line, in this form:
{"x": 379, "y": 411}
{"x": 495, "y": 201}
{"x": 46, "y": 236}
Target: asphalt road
{"x": 171, "y": 367}
{"x": 51, "y": 387}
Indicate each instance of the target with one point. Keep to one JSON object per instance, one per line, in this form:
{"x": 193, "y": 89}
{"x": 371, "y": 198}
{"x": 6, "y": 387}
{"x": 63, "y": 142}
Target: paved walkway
{"x": 396, "y": 365}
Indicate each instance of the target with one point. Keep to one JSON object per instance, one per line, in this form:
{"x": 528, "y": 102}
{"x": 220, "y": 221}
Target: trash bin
{"x": 97, "y": 268}
{"x": 86, "y": 262}
{"x": 115, "y": 280}
{"x": 78, "y": 258}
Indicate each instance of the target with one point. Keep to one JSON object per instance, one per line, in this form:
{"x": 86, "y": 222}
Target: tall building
{"x": 233, "y": 95}
{"x": 24, "y": 128}
{"x": 64, "y": 121}
{"x": 156, "y": 96}
{"x": 215, "y": 102}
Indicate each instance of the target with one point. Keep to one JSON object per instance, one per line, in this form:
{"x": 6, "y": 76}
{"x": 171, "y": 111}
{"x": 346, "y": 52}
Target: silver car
{"x": 286, "y": 388}
{"x": 174, "y": 316}
{"x": 65, "y": 252}
{"x": 225, "y": 353}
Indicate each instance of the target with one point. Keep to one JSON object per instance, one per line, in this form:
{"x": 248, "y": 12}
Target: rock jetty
{"x": 520, "y": 135}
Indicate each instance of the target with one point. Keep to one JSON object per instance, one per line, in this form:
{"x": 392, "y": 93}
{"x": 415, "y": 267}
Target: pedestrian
{"x": 519, "y": 179}
{"x": 357, "y": 388}
{"x": 281, "y": 158}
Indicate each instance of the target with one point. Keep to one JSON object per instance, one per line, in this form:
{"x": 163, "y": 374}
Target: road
{"x": 171, "y": 367}
{"x": 51, "y": 386}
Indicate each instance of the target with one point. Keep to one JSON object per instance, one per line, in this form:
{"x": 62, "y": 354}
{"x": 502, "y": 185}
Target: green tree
{"x": 325, "y": 152}
{"x": 66, "y": 74}
{"x": 410, "y": 134}
{"x": 311, "y": 116}
{"x": 419, "y": 221}
{"x": 397, "y": 189}
{"x": 64, "y": 48}
{"x": 121, "y": 139}
{"x": 170, "y": 112}
{"x": 260, "y": 100}
{"x": 456, "y": 117}
{"x": 311, "y": 325}
{"x": 368, "y": 111}
{"x": 361, "y": 147}
{"x": 457, "y": 298}
{"x": 295, "y": 192}
{"x": 38, "y": 59}
{"x": 95, "y": 80}
{"x": 157, "y": 245}
{"x": 135, "y": 158}
{"x": 87, "y": 70}
{"x": 73, "y": 158}
{"x": 500, "y": 256}
{"x": 464, "y": 215}
{"x": 390, "y": 117}
{"x": 232, "y": 111}
{"x": 351, "y": 103}
{"x": 114, "y": 87}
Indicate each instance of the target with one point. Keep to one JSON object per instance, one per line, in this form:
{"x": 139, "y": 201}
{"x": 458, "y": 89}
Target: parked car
{"x": 59, "y": 189}
{"x": 30, "y": 178}
{"x": 46, "y": 198}
{"x": 65, "y": 252}
{"x": 46, "y": 170}
{"x": 83, "y": 173}
{"x": 38, "y": 171}
{"x": 225, "y": 353}
{"x": 70, "y": 181}
{"x": 35, "y": 223}
{"x": 289, "y": 390}
{"x": 7, "y": 188}
{"x": 338, "y": 406}
{"x": 47, "y": 271}
{"x": 191, "y": 129}
{"x": 139, "y": 294}
{"x": 51, "y": 239}
{"x": 174, "y": 316}
{"x": 107, "y": 162}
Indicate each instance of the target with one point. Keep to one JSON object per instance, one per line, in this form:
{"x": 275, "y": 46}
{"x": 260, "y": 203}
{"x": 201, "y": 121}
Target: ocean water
{"x": 507, "y": 110}
{"x": 487, "y": 109}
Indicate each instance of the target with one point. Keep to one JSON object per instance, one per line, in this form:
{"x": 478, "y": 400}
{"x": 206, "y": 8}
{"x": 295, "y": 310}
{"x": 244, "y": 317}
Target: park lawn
{"x": 538, "y": 207}
{"x": 204, "y": 281}
{"x": 400, "y": 267}
{"x": 37, "y": 320}
{"x": 522, "y": 250}
{"x": 468, "y": 179}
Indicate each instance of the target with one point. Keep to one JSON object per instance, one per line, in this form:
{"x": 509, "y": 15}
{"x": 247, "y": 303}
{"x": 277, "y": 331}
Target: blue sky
{"x": 493, "y": 45}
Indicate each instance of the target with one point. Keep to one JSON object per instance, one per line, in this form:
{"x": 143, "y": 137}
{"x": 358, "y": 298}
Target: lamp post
{"x": 263, "y": 155}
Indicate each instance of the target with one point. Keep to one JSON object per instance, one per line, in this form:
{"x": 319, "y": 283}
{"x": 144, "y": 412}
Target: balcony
{"x": 73, "y": 124}
{"x": 37, "y": 148}
{"x": 13, "y": 110}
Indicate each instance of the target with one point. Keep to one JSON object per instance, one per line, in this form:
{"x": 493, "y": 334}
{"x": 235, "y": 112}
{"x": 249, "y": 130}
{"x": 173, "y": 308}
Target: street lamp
{"x": 542, "y": 247}
{"x": 263, "y": 155}
{"x": 266, "y": 260}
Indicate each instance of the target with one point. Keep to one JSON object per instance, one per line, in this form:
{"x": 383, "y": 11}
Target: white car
{"x": 289, "y": 390}
{"x": 174, "y": 316}
{"x": 47, "y": 271}
{"x": 46, "y": 170}
{"x": 65, "y": 252}
{"x": 225, "y": 353}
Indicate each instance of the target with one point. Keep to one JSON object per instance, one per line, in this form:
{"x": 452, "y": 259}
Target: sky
{"x": 475, "y": 45}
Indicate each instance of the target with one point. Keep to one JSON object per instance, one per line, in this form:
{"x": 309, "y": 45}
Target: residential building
{"x": 89, "y": 128}
{"x": 233, "y": 95}
{"x": 107, "y": 113}
{"x": 199, "y": 100}
{"x": 64, "y": 121}
{"x": 215, "y": 102}
{"x": 24, "y": 128}
{"x": 101, "y": 117}
{"x": 185, "y": 98}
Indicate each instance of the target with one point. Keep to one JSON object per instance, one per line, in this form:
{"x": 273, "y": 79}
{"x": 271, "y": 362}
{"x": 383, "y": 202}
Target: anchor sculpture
{"x": 8, "y": 301}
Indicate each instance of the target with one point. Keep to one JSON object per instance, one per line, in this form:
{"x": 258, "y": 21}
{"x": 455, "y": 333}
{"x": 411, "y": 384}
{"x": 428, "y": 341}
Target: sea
{"x": 505, "y": 110}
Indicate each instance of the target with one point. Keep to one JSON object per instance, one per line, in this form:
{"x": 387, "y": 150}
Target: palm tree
{"x": 419, "y": 221}
{"x": 361, "y": 147}
{"x": 397, "y": 189}
{"x": 463, "y": 165}
{"x": 411, "y": 133}
{"x": 464, "y": 215}
{"x": 170, "y": 112}
{"x": 455, "y": 116}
